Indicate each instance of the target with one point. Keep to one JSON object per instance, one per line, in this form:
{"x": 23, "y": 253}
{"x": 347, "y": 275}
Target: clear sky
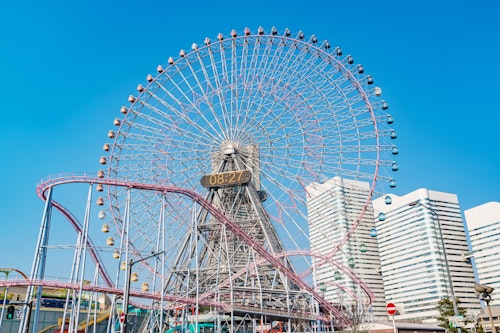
{"x": 66, "y": 67}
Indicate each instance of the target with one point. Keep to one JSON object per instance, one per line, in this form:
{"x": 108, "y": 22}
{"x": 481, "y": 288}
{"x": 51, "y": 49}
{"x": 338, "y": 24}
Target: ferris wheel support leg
{"x": 163, "y": 280}
{"x": 69, "y": 292}
{"x": 129, "y": 262}
{"x": 111, "y": 318}
{"x": 38, "y": 268}
{"x": 81, "y": 249}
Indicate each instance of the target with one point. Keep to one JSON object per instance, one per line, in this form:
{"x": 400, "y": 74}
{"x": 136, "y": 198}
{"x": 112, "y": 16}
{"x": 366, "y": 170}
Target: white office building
{"x": 334, "y": 207}
{"x": 416, "y": 271}
{"x": 483, "y": 223}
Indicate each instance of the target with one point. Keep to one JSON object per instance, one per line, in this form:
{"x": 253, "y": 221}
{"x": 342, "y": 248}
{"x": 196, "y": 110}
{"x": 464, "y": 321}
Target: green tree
{"x": 445, "y": 308}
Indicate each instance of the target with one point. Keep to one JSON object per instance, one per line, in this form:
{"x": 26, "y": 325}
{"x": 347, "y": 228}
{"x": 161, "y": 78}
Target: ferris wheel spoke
{"x": 286, "y": 61}
{"x": 264, "y": 87}
{"x": 202, "y": 92}
{"x": 268, "y": 97}
{"x": 224, "y": 76}
{"x": 230, "y": 74}
{"x": 219, "y": 93}
{"x": 296, "y": 67}
{"x": 297, "y": 234}
{"x": 298, "y": 106}
{"x": 241, "y": 79}
{"x": 238, "y": 68}
{"x": 199, "y": 89}
{"x": 198, "y": 133}
{"x": 146, "y": 130}
{"x": 264, "y": 63}
{"x": 178, "y": 108}
{"x": 209, "y": 86}
{"x": 233, "y": 82}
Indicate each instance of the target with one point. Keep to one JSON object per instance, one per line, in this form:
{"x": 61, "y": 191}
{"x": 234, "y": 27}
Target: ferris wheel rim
{"x": 353, "y": 145}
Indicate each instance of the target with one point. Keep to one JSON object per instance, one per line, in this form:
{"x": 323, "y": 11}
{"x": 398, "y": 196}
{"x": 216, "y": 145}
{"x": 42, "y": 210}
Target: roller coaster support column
{"x": 38, "y": 267}
{"x": 127, "y": 287}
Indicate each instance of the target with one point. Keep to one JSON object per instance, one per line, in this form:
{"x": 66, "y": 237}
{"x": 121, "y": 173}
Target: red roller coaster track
{"x": 46, "y": 184}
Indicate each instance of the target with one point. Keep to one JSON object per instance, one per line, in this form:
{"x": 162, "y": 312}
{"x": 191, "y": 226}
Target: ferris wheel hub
{"x": 229, "y": 147}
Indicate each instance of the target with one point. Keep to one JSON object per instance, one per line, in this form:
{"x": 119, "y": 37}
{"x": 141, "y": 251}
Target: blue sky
{"x": 67, "y": 66}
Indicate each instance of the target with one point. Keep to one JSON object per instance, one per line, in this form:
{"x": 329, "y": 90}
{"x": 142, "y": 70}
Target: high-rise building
{"x": 483, "y": 223}
{"x": 422, "y": 246}
{"x": 334, "y": 207}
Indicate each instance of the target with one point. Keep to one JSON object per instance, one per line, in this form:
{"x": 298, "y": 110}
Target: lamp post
{"x": 484, "y": 295}
{"x": 127, "y": 287}
{"x": 447, "y": 265}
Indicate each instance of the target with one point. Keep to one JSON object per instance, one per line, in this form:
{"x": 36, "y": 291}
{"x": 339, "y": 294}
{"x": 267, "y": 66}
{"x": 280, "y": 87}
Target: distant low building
{"x": 405, "y": 328}
{"x": 484, "y": 319}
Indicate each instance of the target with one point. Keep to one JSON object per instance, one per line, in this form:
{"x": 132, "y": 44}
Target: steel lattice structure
{"x": 259, "y": 116}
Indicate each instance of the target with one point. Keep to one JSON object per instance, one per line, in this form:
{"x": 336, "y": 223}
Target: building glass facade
{"x": 423, "y": 247}
{"x": 333, "y": 208}
{"x": 483, "y": 223}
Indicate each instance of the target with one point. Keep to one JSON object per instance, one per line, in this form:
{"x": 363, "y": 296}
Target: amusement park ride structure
{"x": 208, "y": 170}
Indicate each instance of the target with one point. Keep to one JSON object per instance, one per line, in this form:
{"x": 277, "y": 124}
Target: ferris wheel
{"x": 247, "y": 122}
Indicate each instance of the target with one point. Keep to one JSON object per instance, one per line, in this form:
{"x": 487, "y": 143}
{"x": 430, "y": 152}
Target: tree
{"x": 445, "y": 308}
{"x": 359, "y": 314}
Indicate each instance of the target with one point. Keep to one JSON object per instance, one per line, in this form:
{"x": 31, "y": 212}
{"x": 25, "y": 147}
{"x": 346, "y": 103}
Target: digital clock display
{"x": 231, "y": 178}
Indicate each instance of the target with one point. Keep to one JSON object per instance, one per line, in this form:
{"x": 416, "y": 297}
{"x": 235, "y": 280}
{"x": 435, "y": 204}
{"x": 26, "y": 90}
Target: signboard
{"x": 231, "y": 178}
{"x": 122, "y": 317}
{"x": 391, "y": 308}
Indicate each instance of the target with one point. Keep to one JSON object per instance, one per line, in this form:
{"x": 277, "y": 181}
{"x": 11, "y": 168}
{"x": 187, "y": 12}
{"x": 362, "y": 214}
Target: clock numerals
{"x": 231, "y": 178}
